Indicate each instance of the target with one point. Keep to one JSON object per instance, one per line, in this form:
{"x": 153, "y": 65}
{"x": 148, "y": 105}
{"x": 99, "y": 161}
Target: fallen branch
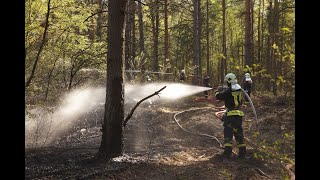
{"x": 262, "y": 173}
{"x": 138, "y": 103}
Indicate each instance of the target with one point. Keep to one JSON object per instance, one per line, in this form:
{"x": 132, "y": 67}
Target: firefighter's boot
{"x": 227, "y": 152}
{"x": 242, "y": 152}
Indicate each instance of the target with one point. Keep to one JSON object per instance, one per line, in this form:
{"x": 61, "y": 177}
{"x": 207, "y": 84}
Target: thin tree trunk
{"x": 259, "y": 32}
{"x": 224, "y": 42}
{"x": 99, "y": 20}
{"x": 141, "y": 36}
{"x": 195, "y": 61}
{"x": 208, "y": 56}
{"x": 262, "y": 33}
{"x": 275, "y": 41}
{"x": 49, "y": 79}
{"x": 199, "y": 39}
{"x": 166, "y": 39}
{"x": 166, "y": 32}
{"x": 128, "y": 43}
{"x": 133, "y": 32}
{"x": 248, "y": 35}
{"x": 41, "y": 45}
{"x": 269, "y": 44}
{"x": 155, "y": 32}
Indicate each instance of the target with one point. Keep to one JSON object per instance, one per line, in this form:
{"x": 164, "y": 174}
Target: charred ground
{"x": 157, "y": 148}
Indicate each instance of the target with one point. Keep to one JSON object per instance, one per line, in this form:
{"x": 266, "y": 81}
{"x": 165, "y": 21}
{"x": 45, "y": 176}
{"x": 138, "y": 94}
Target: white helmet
{"x": 231, "y": 78}
{"x": 247, "y": 76}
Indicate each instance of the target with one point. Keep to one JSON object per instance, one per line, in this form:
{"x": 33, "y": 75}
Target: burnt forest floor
{"x": 155, "y": 147}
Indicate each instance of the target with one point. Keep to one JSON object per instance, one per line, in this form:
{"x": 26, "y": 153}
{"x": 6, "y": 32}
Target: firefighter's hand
{"x": 220, "y": 88}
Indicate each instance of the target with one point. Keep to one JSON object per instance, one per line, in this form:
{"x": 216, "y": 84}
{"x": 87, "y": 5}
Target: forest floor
{"x": 155, "y": 147}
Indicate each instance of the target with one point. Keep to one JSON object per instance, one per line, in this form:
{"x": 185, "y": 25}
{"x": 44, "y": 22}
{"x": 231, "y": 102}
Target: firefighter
{"x": 232, "y": 119}
{"x": 182, "y": 76}
{"x": 148, "y": 79}
{"x": 247, "y": 84}
{"x": 206, "y": 83}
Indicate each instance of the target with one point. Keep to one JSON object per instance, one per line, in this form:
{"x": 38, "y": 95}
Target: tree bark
{"x": 49, "y": 79}
{"x": 112, "y": 132}
{"x": 99, "y": 20}
{"x": 207, "y": 36}
{"x": 269, "y": 44}
{"x": 141, "y": 35}
{"x": 155, "y": 32}
{"x": 248, "y": 56}
{"x": 223, "y": 69}
{"x": 275, "y": 51}
{"x": 199, "y": 40}
{"x": 259, "y": 32}
{"x": 133, "y": 33}
{"x": 128, "y": 42}
{"x": 195, "y": 61}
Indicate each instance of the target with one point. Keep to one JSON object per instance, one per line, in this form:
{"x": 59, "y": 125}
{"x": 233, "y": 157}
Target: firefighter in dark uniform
{"x": 232, "y": 119}
{"x": 182, "y": 76}
{"x": 247, "y": 84}
{"x": 206, "y": 83}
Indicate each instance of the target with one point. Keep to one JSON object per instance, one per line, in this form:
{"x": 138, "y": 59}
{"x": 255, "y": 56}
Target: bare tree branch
{"x": 138, "y": 103}
{"x": 94, "y": 14}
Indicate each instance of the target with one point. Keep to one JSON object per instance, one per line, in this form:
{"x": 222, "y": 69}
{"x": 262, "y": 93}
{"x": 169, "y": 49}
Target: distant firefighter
{"x": 182, "y": 76}
{"x": 206, "y": 83}
{"x": 247, "y": 84}
{"x": 148, "y": 79}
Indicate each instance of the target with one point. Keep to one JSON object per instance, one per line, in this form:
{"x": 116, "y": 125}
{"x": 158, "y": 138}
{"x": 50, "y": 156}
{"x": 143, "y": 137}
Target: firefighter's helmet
{"x": 230, "y": 78}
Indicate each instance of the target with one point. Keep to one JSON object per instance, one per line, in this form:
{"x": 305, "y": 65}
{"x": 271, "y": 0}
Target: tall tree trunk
{"x": 208, "y": 56}
{"x": 275, "y": 51}
{"x": 269, "y": 44}
{"x": 281, "y": 48}
{"x": 195, "y": 61}
{"x": 49, "y": 79}
{"x": 41, "y": 45}
{"x": 166, "y": 33}
{"x": 248, "y": 34}
{"x": 141, "y": 36}
{"x": 259, "y": 32}
{"x": 200, "y": 19}
{"x": 252, "y": 32}
{"x": 133, "y": 33}
{"x": 166, "y": 39}
{"x": 112, "y": 135}
{"x": 91, "y": 31}
{"x": 155, "y": 32}
{"x": 128, "y": 42}
{"x": 262, "y": 33}
{"x": 224, "y": 42}
{"x": 99, "y": 20}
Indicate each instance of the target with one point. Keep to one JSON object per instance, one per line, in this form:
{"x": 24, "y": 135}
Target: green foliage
{"x": 67, "y": 48}
{"x": 276, "y": 151}
{"x": 69, "y": 29}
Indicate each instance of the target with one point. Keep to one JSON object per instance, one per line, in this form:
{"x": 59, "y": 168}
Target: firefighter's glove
{"x": 223, "y": 118}
{"x": 220, "y": 88}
